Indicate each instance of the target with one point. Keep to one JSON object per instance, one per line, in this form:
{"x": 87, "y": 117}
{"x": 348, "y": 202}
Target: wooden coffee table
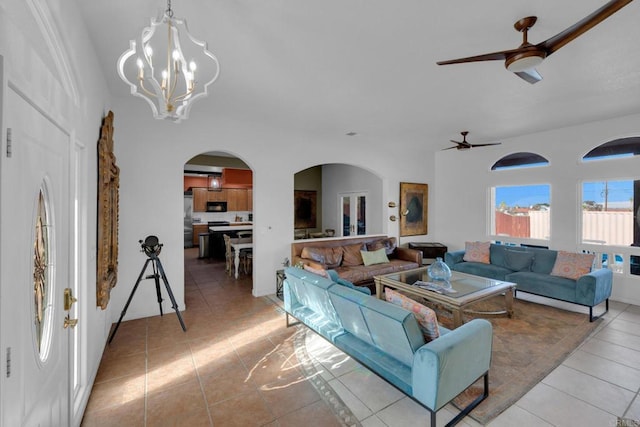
{"x": 468, "y": 289}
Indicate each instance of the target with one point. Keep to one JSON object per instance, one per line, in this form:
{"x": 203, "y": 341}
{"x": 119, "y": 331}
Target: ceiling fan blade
{"x": 450, "y": 148}
{"x": 559, "y": 40}
{"x": 485, "y": 145}
{"x": 495, "y": 56}
{"x": 530, "y": 75}
{"x": 456, "y": 142}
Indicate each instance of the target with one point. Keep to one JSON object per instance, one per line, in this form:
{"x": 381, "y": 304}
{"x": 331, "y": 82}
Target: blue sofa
{"x": 387, "y": 339}
{"x": 530, "y": 269}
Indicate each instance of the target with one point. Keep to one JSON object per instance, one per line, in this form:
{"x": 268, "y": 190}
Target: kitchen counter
{"x": 232, "y": 227}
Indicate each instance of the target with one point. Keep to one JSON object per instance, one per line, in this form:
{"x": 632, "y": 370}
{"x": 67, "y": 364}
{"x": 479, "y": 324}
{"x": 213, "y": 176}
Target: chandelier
{"x": 165, "y": 68}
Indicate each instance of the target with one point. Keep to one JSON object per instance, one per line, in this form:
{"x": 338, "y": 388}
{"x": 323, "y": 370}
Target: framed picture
{"x": 414, "y": 205}
{"x": 305, "y": 208}
{"x": 108, "y": 200}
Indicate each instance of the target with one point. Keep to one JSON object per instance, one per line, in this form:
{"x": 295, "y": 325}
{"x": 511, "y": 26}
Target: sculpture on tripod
{"x": 151, "y": 247}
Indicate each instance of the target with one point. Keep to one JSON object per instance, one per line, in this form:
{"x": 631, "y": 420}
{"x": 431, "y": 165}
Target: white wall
{"x": 41, "y": 43}
{"x": 464, "y": 178}
{"x": 151, "y": 155}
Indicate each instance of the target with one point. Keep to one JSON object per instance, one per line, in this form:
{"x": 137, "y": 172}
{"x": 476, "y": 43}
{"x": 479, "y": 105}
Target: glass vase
{"x": 439, "y": 271}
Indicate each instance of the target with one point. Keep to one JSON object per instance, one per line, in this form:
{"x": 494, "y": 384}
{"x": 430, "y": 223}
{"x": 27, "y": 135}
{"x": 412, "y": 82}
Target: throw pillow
{"x": 331, "y": 257}
{"x": 351, "y": 255}
{"x": 318, "y": 271}
{"x": 518, "y": 260}
{"x": 477, "y": 252}
{"x": 389, "y": 245}
{"x": 374, "y": 257}
{"x": 572, "y": 265}
{"x": 426, "y": 317}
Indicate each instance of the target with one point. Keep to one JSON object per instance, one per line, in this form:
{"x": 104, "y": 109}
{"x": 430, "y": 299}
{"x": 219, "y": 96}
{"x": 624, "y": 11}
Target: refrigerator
{"x": 188, "y": 223}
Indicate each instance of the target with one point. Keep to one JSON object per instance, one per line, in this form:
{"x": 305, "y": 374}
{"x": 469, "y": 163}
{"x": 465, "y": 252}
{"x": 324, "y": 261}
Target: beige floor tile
{"x": 617, "y": 353}
{"x": 560, "y": 409}
{"x": 374, "y": 392}
{"x": 130, "y": 415}
{"x": 317, "y": 414}
{"x": 605, "y": 369}
{"x": 244, "y": 410}
{"x": 116, "y": 367}
{"x": 283, "y": 399}
{"x": 516, "y": 416}
{"x": 227, "y": 384}
{"x": 169, "y": 402}
{"x": 599, "y": 393}
{"x": 633, "y": 412}
{"x": 118, "y": 392}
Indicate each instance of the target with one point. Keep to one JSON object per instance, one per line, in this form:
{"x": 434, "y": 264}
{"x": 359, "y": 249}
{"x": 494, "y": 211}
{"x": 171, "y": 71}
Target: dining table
{"x": 239, "y": 244}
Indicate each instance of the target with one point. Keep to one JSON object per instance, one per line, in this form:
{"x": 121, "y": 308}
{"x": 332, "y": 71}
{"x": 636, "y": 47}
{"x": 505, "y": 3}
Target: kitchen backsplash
{"x": 221, "y": 216}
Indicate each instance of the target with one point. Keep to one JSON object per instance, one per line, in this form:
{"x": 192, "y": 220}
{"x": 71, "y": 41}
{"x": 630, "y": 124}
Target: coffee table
{"x": 468, "y": 289}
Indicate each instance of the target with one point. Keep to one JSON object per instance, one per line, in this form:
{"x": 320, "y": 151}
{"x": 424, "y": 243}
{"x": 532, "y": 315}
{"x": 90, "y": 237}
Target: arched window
{"x": 520, "y": 160}
{"x": 623, "y": 147}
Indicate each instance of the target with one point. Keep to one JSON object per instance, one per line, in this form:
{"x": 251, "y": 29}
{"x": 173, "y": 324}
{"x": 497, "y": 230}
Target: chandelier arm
{"x": 178, "y": 98}
{"x": 148, "y": 92}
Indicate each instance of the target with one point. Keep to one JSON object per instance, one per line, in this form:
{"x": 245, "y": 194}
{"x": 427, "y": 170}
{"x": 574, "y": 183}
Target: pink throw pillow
{"x": 477, "y": 252}
{"x": 572, "y": 265}
{"x": 424, "y": 315}
{"x": 318, "y": 271}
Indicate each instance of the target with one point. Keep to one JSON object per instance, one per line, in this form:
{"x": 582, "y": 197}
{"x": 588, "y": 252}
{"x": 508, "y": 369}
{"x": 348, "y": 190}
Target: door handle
{"x": 69, "y": 299}
{"x": 70, "y": 322}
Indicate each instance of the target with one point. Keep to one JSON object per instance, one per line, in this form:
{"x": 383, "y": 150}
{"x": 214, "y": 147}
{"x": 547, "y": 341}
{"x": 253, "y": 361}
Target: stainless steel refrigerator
{"x": 188, "y": 223}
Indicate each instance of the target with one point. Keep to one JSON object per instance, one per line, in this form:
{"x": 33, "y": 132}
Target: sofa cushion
{"x": 543, "y": 284}
{"x": 572, "y": 265}
{"x": 330, "y": 257}
{"x": 351, "y": 255}
{"x": 318, "y": 271}
{"x": 477, "y": 252}
{"x": 518, "y": 260}
{"x": 484, "y": 270}
{"x": 333, "y": 275}
{"x": 374, "y": 257}
{"x": 424, "y": 315}
{"x": 389, "y": 245}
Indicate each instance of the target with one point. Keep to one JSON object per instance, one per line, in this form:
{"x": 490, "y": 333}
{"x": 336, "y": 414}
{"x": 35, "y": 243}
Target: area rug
{"x": 526, "y": 348}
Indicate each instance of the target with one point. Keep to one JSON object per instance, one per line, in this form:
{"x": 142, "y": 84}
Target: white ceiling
{"x": 369, "y": 66}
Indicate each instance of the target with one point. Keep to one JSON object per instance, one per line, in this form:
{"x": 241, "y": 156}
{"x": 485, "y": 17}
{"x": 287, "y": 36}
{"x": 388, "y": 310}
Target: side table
{"x": 279, "y": 282}
{"x": 430, "y": 250}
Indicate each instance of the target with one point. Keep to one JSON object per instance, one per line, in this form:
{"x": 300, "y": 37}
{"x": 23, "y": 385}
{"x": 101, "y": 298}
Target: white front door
{"x": 35, "y": 260}
{"x": 353, "y": 213}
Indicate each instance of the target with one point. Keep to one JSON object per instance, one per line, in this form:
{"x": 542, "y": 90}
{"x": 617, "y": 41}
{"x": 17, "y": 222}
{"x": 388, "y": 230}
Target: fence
{"x": 613, "y": 228}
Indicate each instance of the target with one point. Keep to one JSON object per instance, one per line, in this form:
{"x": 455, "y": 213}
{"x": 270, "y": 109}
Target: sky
{"x": 618, "y": 192}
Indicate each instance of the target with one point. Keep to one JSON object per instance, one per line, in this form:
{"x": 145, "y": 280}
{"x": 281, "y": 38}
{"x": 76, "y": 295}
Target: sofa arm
{"x": 407, "y": 254}
{"x": 448, "y": 365}
{"x": 595, "y": 287}
{"x": 451, "y": 258}
{"x": 306, "y": 261}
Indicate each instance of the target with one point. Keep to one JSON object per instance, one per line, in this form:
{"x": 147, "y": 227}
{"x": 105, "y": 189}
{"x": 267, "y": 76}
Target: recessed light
{"x": 351, "y": 133}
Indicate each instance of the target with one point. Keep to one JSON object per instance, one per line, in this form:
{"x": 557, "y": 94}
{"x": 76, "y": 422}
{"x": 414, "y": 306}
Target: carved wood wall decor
{"x": 108, "y": 200}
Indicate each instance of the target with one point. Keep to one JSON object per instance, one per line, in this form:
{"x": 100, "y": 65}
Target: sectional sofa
{"x": 537, "y": 271}
{"x": 387, "y": 339}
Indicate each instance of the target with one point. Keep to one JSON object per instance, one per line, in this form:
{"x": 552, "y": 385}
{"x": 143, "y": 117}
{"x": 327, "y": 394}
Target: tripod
{"x": 157, "y": 268}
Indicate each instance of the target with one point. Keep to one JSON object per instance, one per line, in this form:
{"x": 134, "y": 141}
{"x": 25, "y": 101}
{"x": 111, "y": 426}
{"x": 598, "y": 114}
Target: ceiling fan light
{"x": 524, "y": 61}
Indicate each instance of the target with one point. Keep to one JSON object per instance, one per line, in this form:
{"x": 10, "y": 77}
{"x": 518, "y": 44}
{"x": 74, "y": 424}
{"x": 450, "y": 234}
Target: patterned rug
{"x": 526, "y": 348}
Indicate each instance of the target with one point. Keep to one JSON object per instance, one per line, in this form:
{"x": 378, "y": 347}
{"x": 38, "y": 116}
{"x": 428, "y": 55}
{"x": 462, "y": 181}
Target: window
{"x": 623, "y": 147}
{"x": 520, "y": 160}
{"x": 607, "y": 213}
{"x": 522, "y": 211}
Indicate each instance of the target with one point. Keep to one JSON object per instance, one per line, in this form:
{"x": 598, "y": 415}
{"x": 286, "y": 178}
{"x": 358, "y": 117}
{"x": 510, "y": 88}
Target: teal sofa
{"x": 387, "y": 339}
{"x": 530, "y": 269}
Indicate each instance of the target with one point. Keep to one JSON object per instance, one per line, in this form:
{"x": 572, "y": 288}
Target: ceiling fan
{"x": 464, "y": 145}
{"x": 523, "y": 60}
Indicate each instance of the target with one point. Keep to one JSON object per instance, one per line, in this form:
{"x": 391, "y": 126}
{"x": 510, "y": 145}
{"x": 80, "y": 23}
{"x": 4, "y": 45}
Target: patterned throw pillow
{"x": 424, "y": 315}
{"x": 318, "y": 271}
{"x": 572, "y": 265}
{"x": 477, "y": 252}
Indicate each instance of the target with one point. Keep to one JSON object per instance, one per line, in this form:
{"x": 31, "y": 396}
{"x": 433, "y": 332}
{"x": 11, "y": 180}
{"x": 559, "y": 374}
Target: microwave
{"x": 216, "y": 206}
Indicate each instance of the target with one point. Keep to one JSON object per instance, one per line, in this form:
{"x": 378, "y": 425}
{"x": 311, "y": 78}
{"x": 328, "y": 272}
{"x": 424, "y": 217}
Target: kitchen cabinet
{"x": 197, "y": 229}
{"x": 199, "y": 200}
{"x": 217, "y": 195}
{"x": 236, "y": 199}
{"x": 250, "y": 199}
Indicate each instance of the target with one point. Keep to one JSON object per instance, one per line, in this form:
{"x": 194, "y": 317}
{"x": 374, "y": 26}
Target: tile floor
{"x": 238, "y": 365}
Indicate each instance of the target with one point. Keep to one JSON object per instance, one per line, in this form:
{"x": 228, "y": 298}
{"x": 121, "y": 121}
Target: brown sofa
{"x": 343, "y": 256}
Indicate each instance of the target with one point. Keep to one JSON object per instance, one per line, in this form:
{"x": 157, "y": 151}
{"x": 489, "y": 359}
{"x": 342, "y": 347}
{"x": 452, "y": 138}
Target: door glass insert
{"x": 41, "y": 278}
{"x": 353, "y": 214}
